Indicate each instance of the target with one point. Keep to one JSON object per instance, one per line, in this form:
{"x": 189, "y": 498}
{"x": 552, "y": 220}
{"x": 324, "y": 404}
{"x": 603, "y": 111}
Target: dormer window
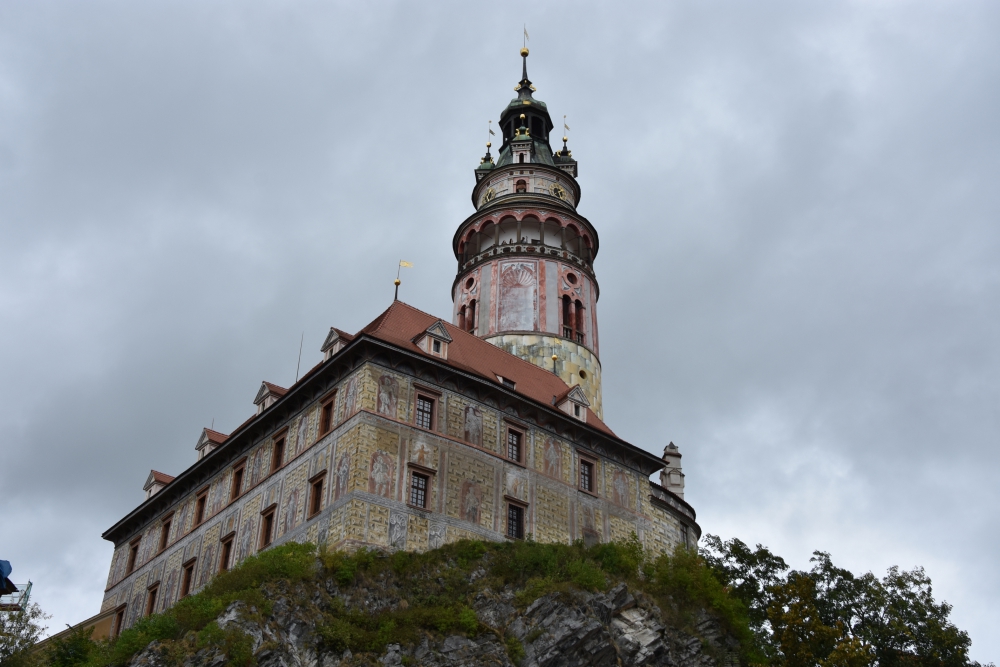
{"x": 335, "y": 341}
{"x": 507, "y": 382}
{"x": 574, "y": 403}
{"x": 154, "y": 482}
{"x": 268, "y": 395}
{"x": 435, "y": 340}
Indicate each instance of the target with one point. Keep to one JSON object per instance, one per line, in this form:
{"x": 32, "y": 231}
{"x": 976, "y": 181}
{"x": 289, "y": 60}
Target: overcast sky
{"x": 798, "y": 206}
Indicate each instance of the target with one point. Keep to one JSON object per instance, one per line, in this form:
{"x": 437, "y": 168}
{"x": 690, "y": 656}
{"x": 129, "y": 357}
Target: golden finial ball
{"x": 522, "y": 116}
{"x": 565, "y": 139}
{"x": 489, "y": 143}
{"x": 524, "y": 52}
{"x": 396, "y": 282}
{"x": 555, "y": 357}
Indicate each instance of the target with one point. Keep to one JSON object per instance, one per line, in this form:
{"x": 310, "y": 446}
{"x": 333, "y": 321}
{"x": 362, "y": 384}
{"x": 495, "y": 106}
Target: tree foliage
{"x": 828, "y": 617}
{"x": 19, "y": 631}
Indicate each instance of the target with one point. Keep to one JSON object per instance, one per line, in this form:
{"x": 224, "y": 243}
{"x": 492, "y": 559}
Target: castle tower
{"x": 526, "y": 278}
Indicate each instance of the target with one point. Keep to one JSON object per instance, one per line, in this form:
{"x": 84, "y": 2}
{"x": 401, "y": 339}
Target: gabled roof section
{"x": 210, "y": 437}
{"x": 332, "y": 338}
{"x": 437, "y": 330}
{"x": 401, "y": 324}
{"x": 268, "y": 389}
{"x": 575, "y": 394}
{"x": 157, "y": 477}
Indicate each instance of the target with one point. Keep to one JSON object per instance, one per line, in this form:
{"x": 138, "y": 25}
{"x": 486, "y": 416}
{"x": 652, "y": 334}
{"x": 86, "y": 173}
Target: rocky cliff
{"x": 486, "y": 605}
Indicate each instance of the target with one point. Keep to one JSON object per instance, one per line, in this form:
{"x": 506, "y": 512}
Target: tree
{"x": 19, "y": 631}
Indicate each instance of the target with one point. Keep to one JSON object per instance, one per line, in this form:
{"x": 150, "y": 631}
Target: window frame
{"x": 165, "y": 526}
{"x": 522, "y": 508}
{"x": 200, "y": 507}
{"x": 239, "y": 471}
{"x": 267, "y": 519}
{"x": 587, "y": 460}
{"x": 116, "y": 628}
{"x": 521, "y": 444}
{"x": 226, "y": 552}
{"x": 433, "y": 400}
{"x": 414, "y": 476}
{"x": 316, "y": 499}
{"x": 152, "y": 593}
{"x": 187, "y": 577}
{"x": 327, "y": 415}
{"x": 282, "y": 437}
{"x": 133, "y": 555}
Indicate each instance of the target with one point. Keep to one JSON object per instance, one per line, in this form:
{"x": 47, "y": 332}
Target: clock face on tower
{"x": 488, "y": 196}
{"x": 558, "y": 191}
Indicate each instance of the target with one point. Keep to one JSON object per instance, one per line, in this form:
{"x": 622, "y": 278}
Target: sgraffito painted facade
{"x": 416, "y": 432}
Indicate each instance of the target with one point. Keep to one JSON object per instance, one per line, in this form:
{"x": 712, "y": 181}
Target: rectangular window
{"x": 510, "y": 384}
{"x": 316, "y": 496}
{"x": 133, "y": 556}
{"x": 278, "y": 453}
{"x": 514, "y": 449}
{"x": 165, "y": 534}
{"x": 515, "y": 522}
{"x": 418, "y": 490}
{"x": 587, "y": 476}
{"x": 227, "y": 555}
{"x": 326, "y": 417}
{"x": 436, "y": 346}
{"x": 425, "y": 412}
{"x": 199, "y": 507}
{"x": 187, "y": 579}
{"x": 151, "y": 599}
{"x": 119, "y": 621}
{"x": 237, "y": 483}
{"x": 684, "y": 535}
{"x": 267, "y": 529}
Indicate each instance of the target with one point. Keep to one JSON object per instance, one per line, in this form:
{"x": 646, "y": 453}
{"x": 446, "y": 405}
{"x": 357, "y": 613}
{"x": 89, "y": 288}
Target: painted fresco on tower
{"x": 168, "y": 590}
{"x": 472, "y": 500}
{"x": 291, "y": 510}
{"x": 518, "y": 296}
{"x": 388, "y": 394}
{"x": 422, "y": 454}
{"x": 474, "y": 426}
{"x": 246, "y": 539}
{"x": 303, "y": 433}
{"x": 382, "y": 472}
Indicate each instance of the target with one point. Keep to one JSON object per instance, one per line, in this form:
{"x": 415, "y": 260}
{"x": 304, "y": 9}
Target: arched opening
{"x": 580, "y": 321}
{"x": 521, "y": 185}
{"x": 487, "y": 236}
{"x": 508, "y": 231}
{"x": 530, "y": 231}
{"x": 537, "y": 128}
{"x": 470, "y": 319}
{"x": 551, "y": 233}
{"x": 461, "y": 318}
{"x": 567, "y": 316}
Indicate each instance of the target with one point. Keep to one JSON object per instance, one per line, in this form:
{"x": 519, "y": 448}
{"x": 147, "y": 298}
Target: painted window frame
{"x": 522, "y": 508}
{"x": 133, "y": 555}
{"x": 226, "y": 551}
{"x": 583, "y": 460}
{"x": 166, "y": 525}
{"x": 267, "y": 536}
{"x": 239, "y": 473}
{"x": 522, "y": 436}
{"x": 152, "y": 593}
{"x": 419, "y": 395}
{"x": 187, "y": 576}
{"x": 277, "y": 463}
{"x": 327, "y": 415}
{"x": 200, "y": 507}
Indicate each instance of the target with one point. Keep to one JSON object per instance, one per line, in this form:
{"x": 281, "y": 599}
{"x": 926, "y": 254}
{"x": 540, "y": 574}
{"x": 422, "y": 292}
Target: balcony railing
{"x": 16, "y": 601}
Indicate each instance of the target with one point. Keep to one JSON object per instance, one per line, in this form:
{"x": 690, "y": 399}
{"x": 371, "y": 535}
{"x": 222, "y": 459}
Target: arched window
{"x": 521, "y": 185}
{"x": 567, "y": 318}
{"x": 470, "y": 319}
{"x": 580, "y": 320}
{"x": 461, "y": 318}
{"x": 520, "y": 158}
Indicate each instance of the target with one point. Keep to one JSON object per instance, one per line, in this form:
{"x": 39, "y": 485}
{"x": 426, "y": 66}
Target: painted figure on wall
{"x": 421, "y": 454}
{"x": 255, "y": 472}
{"x": 517, "y": 297}
{"x": 342, "y": 477}
{"x": 436, "y": 535}
{"x": 553, "y": 458}
{"x": 246, "y": 539}
{"x": 351, "y": 397}
{"x": 183, "y": 519}
{"x": 291, "y": 511}
{"x": 303, "y": 434}
{"x": 620, "y": 484}
{"x": 515, "y": 485}
{"x": 590, "y": 534}
{"x": 474, "y": 426}
{"x": 397, "y": 530}
{"x": 388, "y": 394}
{"x": 472, "y": 500}
{"x": 382, "y": 470}
{"x": 207, "y": 565}
{"x": 168, "y": 589}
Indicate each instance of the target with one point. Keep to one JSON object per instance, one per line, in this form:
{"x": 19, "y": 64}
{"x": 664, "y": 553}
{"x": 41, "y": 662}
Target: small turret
{"x": 671, "y": 477}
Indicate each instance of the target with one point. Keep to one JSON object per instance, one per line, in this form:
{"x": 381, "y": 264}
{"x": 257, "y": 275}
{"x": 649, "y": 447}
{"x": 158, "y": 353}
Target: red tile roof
{"x": 401, "y": 324}
{"x": 275, "y": 389}
{"x": 215, "y": 436}
{"x": 161, "y": 477}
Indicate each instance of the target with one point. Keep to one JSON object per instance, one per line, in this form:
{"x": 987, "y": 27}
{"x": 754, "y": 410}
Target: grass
{"x": 431, "y": 593}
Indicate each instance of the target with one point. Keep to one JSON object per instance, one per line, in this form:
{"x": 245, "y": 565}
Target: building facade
{"x": 415, "y": 432}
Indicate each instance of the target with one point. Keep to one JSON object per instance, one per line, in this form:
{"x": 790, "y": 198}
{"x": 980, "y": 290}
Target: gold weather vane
{"x": 402, "y": 264}
{"x": 526, "y": 38}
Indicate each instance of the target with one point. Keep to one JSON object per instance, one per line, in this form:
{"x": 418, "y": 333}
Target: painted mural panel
{"x": 474, "y": 425}
{"x": 472, "y": 501}
{"x": 388, "y": 395}
{"x": 518, "y": 296}
{"x": 342, "y": 476}
{"x": 382, "y": 473}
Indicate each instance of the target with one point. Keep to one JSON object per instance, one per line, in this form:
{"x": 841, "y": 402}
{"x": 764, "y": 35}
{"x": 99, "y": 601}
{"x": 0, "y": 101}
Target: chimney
{"x": 671, "y": 477}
